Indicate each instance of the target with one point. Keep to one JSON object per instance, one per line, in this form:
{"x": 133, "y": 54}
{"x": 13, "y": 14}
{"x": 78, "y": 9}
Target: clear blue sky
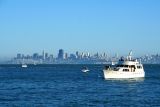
{"x": 113, "y": 26}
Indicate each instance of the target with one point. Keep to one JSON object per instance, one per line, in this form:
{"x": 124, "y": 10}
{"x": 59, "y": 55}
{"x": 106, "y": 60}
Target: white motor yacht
{"x": 125, "y": 68}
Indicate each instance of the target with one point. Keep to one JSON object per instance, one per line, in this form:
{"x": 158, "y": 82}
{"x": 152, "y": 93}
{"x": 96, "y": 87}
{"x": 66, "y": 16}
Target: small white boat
{"x": 85, "y": 69}
{"x": 24, "y": 66}
{"x": 126, "y": 68}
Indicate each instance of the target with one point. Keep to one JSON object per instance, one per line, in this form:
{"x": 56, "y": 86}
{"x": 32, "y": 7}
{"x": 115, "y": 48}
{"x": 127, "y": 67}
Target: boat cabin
{"x": 126, "y": 66}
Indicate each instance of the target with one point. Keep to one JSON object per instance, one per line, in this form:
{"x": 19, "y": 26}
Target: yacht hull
{"x": 109, "y": 74}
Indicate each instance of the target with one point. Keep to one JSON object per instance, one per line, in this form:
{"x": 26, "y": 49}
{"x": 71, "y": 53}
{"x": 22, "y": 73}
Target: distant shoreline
{"x": 50, "y": 65}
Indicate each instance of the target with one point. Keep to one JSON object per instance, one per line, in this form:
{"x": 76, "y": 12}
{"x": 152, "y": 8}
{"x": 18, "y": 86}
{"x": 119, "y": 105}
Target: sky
{"x": 111, "y": 26}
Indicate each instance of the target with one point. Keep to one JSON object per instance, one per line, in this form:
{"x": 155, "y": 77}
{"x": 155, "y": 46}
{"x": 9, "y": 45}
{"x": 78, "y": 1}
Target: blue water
{"x": 67, "y": 86}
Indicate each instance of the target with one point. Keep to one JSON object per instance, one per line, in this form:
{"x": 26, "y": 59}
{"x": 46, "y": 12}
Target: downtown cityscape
{"x": 79, "y": 53}
{"x": 76, "y": 58}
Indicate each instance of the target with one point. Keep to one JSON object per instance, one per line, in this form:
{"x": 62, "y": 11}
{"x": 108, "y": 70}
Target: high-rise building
{"x": 96, "y": 55}
{"x": 77, "y": 54}
{"x": 46, "y": 55}
{"x": 22, "y": 56}
{"x": 19, "y": 56}
{"x": 65, "y": 56}
{"x": 51, "y": 57}
{"x": 61, "y": 54}
{"x": 72, "y": 56}
{"x": 35, "y": 56}
{"x": 117, "y": 55}
{"x": 43, "y": 55}
{"x": 88, "y": 55}
{"x": 82, "y": 55}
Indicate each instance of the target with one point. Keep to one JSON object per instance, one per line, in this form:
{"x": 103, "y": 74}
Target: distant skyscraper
{"x": 61, "y": 54}
{"x": 19, "y": 56}
{"x": 35, "y": 56}
{"x": 117, "y": 55}
{"x": 43, "y": 55}
{"x": 72, "y": 56}
{"x": 82, "y": 55}
{"x": 97, "y": 55}
{"x": 22, "y": 56}
{"x": 65, "y": 56}
{"x": 88, "y": 54}
{"x": 51, "y": 56}
{"x": 77, "y": 54}
{"x": 46, "y": 55}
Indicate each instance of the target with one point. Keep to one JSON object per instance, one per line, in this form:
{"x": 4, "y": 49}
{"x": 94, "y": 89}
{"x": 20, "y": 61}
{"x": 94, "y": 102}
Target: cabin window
{"x": 125, "y": 70}
{"x": 139, "y": 67}
{"x": 116, "y": 69}
{"x": 119, "y": 65}
{"x": 133, "y": 66}
{"x": 126, "y": 66}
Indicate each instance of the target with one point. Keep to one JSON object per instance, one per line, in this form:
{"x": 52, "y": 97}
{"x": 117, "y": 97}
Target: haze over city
{"x": 111, "y": 26}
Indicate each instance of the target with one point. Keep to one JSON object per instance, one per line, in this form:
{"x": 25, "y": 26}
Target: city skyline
{"x": 55, "y": 53}
{"x": 87, "y": 26}
{"x": 77, "y": 57}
